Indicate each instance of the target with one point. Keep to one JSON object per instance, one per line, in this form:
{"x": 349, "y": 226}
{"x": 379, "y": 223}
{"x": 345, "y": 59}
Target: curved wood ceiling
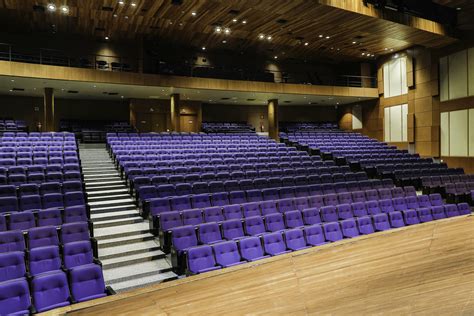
{"x": 291, "y": 24}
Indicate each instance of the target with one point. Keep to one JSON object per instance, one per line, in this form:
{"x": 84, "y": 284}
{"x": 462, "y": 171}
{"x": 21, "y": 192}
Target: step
{"x": 107, "y": 192}
{"x": 101, "y": 175}
{"x": 101, "y": 183}
{"x": 114, "y": 202}
{"x": 132, "y": 259}
{"x": 112, "y": 166}
{"x": 117, "y": 222}
{"x": 122, "y": 231}
{"x": 97, "y": 217}
{"x": 139, "y": 270}
{"x": 113, "y": 209}
{"x": 102, "y": 179}
{"x": 135, "y": 283}
{"x": 128, "y": 249}
{"x": 96, "y": 198}
{"x": 93, "y": 189}
{"x": 87, "y": 173}
{"x": 125, "y": 240}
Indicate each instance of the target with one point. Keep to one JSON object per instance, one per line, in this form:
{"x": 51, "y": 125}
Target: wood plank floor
{"x": 424, "y": 269}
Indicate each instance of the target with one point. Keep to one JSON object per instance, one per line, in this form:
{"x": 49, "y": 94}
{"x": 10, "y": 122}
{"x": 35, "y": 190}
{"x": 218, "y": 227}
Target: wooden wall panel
{"x": 421, "y": 269}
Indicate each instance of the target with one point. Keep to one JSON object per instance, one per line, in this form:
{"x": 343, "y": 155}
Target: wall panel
{"x": 357, "y": 117}
{"x": 444, "y": 78}
{"x": 470, "y": 70}
{"x": 396, "y": 124}
{"x": 445, "y": 134}
{"x": 386, "y": 124}
{"x": 404, "y": 122}
{"x": 458, "y": 131}
{"x": 471, "y": 133}
{"x": 458, "y": 75}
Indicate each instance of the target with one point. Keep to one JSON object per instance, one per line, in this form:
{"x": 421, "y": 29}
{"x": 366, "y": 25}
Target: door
{"x": 188, "y": 123}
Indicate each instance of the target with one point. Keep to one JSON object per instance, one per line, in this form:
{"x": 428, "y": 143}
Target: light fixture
{"x": 227, "y": 30}
{"x": 235, "y": 20}
{"x": 395, "y": 56}
{"x": 363, "y": 54}
{"x": 275, "y": 57}
{"x": 269, "y": 38}
{"x": 65, "y": 9}
{"x": 328, "y": 37}
{"x": 458, "y": 8}
{"x": 354, "y": 42}
{"x": 244, "y": 22}
{"x": 126, "y": 17}
{"x": 121, "y": 2}
{"x": 306, "y": 44}
{"x": 115, "y": 15}
{"x": 321, "y": 35}
{"x": 224, "y": 42}
{"x": 385, "y": 48}
{"x": 122, "y": 96}
{"x": 218, "y": 29}
{"x": 261, "y": 36}
{"x": 133, "y": 4}
{"x": 13, "y": 80}
{"x": 51, "y": 7}
{"x": 193, "y": 13}
{"x": 203, "y": 48}
{"x": 106, "y": 38}
{"x": 391, "y": 49}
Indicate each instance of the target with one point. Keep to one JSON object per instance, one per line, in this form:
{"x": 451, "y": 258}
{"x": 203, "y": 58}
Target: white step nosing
{"x": 139, "y": 275}
{"x": 132, "y": 259}
{"x": 117, "y": 222}
{"x": 142, "y": 282}
{"x": 106, "y": 215}
{"x": 99, "y": 236}
{"x": 98, "y": 193}
{"x": 120, "y": 201}
{"x": 126, "y": 240}
{"x": 128, "y": 249}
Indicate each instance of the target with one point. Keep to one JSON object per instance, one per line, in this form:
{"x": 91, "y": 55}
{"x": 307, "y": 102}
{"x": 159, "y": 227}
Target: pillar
{"x": 48, "y": 120}
{"x": 273, "y": 119}
{"x": 365, "y": 73}
{"x": 174, "y": 110}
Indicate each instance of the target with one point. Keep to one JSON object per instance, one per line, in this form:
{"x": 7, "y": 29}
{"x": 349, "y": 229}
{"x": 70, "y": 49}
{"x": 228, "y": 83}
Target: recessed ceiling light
{"x": 391, "y": 49}
{"x": 306, "y": 44}
{"x": 121, "y": 2}
{"x": 218, "y": 29}
{"x": 363, "y": 54}
{"x": 328, "y": 37}
{"x": 458, "y": 8}
{"x": 193, "y": 13}
{"x": 385, "y": 48}
{"x": 115, "y": 15}
{"x": 106, "y": 38}
{"x": 95, "y": 86}
{"x": 224, "y": 42}
{"x": 203, "y": 48}
{"x": 321, "y": 35}
{"x": 65, "y": 9}
{"x": 51, "y": 7}
{"x": 275, "y": 57}
{"x": 122, "y": 96}
{"x": 126, "y": 17}
{"x": 12, "y": 80}
{"x": 354, "y": 42}
{"x": 235, "y": 20}
{"x": 133, "y": 4}
{"x": 261, "y": 36}
{"x": 244, "y": 22}
{"x": 269, "y": 37}
{"x": 227, "y": 30}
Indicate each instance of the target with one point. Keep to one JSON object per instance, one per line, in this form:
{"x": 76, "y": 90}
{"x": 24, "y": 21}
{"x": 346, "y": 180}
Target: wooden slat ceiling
{"x": 290, "y": 23}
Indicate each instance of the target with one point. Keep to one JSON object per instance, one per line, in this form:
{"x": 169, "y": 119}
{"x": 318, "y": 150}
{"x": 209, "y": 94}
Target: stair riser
{"x": 137, "y": 276}
{"x": 104, "y": 187}
{"x": 118, "y": 209}
{"x": 100, "y": 198}
{"x": 127, "y": 234}
{"x": 121, "y": 223}
{"x": 128, "y": 253}
{"x": 97, "y": 220}
{"x": 125, "y": 242}
{"x": 129, "y": 262}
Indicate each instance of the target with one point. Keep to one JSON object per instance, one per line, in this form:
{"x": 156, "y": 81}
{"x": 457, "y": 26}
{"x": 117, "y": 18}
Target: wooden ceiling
{"x": 329, "y": 32}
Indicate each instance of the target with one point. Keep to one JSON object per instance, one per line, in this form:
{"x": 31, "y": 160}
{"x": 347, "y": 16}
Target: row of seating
{"x": 40, "y": 189}
{"x": 283, "y": 239}
{"x": 40, "y": 178}
{"x": 39, "y": 134}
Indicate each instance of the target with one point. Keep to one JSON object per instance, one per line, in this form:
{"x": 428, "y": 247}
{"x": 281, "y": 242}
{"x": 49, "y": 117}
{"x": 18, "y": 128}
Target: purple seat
{"x": 251, "y": 249}
{"x": 30, "y": 203}
{"x": 270, "y": 194}
{"x": 220, "y": 199}
{"x": 232, "y": 211}
{"x": 424, "y": 214}
{"x": 160, "y": 205}
{"x": 72, "y": 232}
{"x": 451, "y": 210}
{"x": 53, "y": 200}
{"x": 349, "y": 228}
{"x": 7, "y": 191}
{"x": 274, "y": 244}
{"x": 358, "y": 196}
{"x": 8, "y": 204}
{"x": 15, "y": 296}
{"x": 50, "y": 291}
{"x": 371, "y": 195}
{"x": 381, "y": 222}
{"x": 409, "y": 191}
{"x": 285, "y": 205}
{"x": 201, "y": 259}
{"x": 424, "y": 201}
{"x": 345, "y": 198}
{"x": 192, "y": 217}
{"x": 183, "y": 189}
{"x": 87, "y": 283}
{"x": 227, "y": 254}
{"x": 74, "y": 199}
{"x": 286, "y": 193}
{"x": 147, "y": 192}
{"x": 77, "y": 253}
{"x": 411, "y": 217}
{"x": 170, "y": 220}
{"x": 237, "y": 197}
{"x": 12, "y": 265}
{"x": 399, "y": 204}
{"x": 314, "y": 235}
{"x": 329, "y": 214}
{"x": 21, "y": 221}
{"x": 72, "y": 186}
{"x": 200, "y": 187}
{"x": 209, "y": 233}
{"x": 200, "y": 201}
{"x": 332, "y": 231}
{"x": 254, "y": 195}
{"x": 438, "y": 212}
{"x": 412, "y": 202}
{"x": 75, "y": 214}
{"x": 44, "y": 259}
{"x": 386, "y": 206}
{"x": 464, "y": 209}
{"x": 163, "y": 191}
{"x": 274, "y": 222}
{"x": 183, "y": 238}
{"x": 254, "y": 225}
{"x": 3, "y": 223}
{"x": 28, "y": 189}
{"x": 365, "y": 225}
{"x": 396, "y": 219}
{"x": 213, "y": 214}
{"x": 311, "y": 216}
{"x": 180, "y": 203}
{"x": 301, "y": 191}
{"x": 398, "y": 192}
{"x": 293, "y": 219}
{"x": 385, "y": 194}
{"x": 295, "y": 239}
{"x": 251, "y": 209}
{"x": 344, "y": 211}
{"x": 301, "y": 203}
{"x": 232, "y": 229}
{"x": 359, "y": 209}
{"x": 42, "y": 236}
{"x": 268, "y": 207}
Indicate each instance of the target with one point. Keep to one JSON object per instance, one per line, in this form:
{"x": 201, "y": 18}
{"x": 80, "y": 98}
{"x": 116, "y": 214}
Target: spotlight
{"x": 121, "y": 2}
{"x": 133, "y": 4}
{"x": 227, "y": 30}
{"x": 354, "y": 42}
{"x": 193, "y": 13}
{"x": 106, "y": 38}
{"x": 244, "y": 22}
{"x": 218, "y": 29}
{"x": 261, "y": 36}
{"x": 275, "y": 57}
{"x": 328, "y": 37}
{"x": 203, "y": 48}
{"x": 65, "y": 9}
{"x": 235, "y": 20}
{"x": 51, "y": 7}
{"x": 306, "y": 44}
{"x": 321, "y": 35}
{"x": 269, "y": 38}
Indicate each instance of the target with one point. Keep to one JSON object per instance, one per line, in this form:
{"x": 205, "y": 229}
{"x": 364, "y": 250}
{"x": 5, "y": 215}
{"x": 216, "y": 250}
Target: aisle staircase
{"x": 129, "y": 253}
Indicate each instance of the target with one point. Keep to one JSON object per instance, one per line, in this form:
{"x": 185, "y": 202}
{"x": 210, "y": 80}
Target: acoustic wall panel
{"x": 444, "y": 134}
{"x": 458, "y": 133}
{"x": 386, "y": 80}
{"x": 395, "y": 78}
{"x": 386, "y": 124}
{"x": 471, "y": 133}
{"x": 403, "y": 75}
{"x": 356, "y": 117}
{"x": 396, "y": 123}
{"x": 404, "y": 122}
{"x": 444, "y": 79}
{"x": 458, "y": 75}
{"x": 470, "y": 70}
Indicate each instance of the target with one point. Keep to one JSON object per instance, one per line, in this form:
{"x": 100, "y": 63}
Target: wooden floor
{"x": 425, "y": 269}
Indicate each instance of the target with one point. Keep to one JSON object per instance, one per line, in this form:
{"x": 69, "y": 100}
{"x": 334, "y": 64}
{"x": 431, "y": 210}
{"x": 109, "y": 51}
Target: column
{"x": 48, "y": 120}
{"x": 174, "y": 110}
{"x": 273, "y": 119}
